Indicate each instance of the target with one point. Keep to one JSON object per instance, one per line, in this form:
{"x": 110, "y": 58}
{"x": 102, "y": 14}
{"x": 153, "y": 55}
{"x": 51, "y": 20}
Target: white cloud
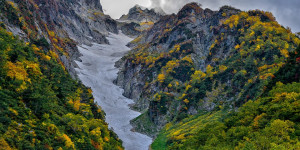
{"x": 116, "y": 8}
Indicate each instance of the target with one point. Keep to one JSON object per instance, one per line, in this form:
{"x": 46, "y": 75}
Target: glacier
{"x": 97, "y": 70}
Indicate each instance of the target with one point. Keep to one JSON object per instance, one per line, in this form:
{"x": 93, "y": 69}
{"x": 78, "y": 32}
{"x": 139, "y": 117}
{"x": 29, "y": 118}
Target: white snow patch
{"x": 98, "y": 72}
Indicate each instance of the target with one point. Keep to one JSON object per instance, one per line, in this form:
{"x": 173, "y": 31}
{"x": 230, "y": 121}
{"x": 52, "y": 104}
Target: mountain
{"x": 43, "y": 105}
{"x": 139, "y": 19}
{"x": 141, "y": 14}
{"x": 201, "y": 60}
{"x": 202, "y": 79}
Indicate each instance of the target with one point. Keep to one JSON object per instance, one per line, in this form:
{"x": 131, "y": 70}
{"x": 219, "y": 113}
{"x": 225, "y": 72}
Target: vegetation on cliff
{"x": 269, "y": 122}
{"x": 218, "y": 79}
{"x": 229, "y": 76}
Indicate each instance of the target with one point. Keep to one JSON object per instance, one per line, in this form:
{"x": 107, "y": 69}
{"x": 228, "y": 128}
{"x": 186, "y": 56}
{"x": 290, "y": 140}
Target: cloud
{"x": 116, "y": 8}
{"x": 156, "y": 3}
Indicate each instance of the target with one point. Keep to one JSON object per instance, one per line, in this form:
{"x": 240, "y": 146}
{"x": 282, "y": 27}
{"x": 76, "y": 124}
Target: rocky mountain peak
{"x": 190, "y": 9}
{"x": 137, "y": 6}
{"x": 139, "y": 14}
{"x": 228, "y": 10}
{"x": 139, "y": 19}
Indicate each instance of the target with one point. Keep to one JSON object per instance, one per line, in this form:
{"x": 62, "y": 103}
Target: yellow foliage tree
{"x": 284, "y": 53}
{"x": 171, "y": 65}
{"x": 198, "y": 75}
{"x": 237, "y": 46}
{"x": 4, "y": 145}
{"x": 177, "y": 48}
{"x": 209, "y": 71}
{"x": 68, "y": 141}
{"x": 51, "y": 33}
{"x": 161, "y": 78}
{"x": 16, "y": 71}
{"x": 188, "y": 59}
{"x": 186, "y": 101}
{"x": 222, "y": 68}
{"x": 34, "y": 68}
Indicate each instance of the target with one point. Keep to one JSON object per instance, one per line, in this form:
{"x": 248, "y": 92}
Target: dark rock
{"x": 139, "y": 14}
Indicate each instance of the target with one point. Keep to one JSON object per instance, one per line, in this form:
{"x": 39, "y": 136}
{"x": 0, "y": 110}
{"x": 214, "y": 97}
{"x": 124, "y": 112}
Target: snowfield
{"x": 98, "y": 72}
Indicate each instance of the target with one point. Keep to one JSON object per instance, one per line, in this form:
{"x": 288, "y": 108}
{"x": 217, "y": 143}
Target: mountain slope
{"x": 202, "y": 60}
{"x": 62, "y": 23}
{"x": 269, "y": 122}
{"x": 42, "y": 107}
{"x": 83, "y": 20}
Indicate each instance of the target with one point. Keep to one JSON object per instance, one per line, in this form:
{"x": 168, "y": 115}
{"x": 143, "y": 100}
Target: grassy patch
{"x": 160, "y": 142}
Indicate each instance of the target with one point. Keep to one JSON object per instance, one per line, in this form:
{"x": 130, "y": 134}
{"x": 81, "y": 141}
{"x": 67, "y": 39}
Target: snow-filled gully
{"x": 98, "y": 72}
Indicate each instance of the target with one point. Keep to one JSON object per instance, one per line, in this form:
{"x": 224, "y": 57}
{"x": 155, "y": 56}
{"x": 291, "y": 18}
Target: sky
{"x": 286, "y": 11}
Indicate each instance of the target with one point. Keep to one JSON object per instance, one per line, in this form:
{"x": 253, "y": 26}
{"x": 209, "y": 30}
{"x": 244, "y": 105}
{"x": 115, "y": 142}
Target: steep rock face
{"x": 131, "y": 29}
{"x": 82, "y": 20}
{"x": 63, "y": 24}
{"x": 201, "y": 60}
{"x": 191, "y": 27}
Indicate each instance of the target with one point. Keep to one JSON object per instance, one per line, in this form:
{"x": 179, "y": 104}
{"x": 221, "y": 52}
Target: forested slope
{"x": 41, "y": 105}
{"x": 269, "y": 122}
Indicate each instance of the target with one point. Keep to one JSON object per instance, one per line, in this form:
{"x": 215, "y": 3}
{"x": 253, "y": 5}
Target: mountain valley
{"x": 72, "y": 77}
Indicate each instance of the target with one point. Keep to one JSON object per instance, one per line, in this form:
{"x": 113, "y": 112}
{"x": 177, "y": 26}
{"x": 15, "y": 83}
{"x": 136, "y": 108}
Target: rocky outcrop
{"x": 192, "y": 25}
{"x": 64, "y": 23}
{"x": 138, "y": 20}
{"x": 141, "y": 14}
{"x": 195, "y": 29}
{"x": 83, "y": 20}
{"x": 130, "y": 29}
